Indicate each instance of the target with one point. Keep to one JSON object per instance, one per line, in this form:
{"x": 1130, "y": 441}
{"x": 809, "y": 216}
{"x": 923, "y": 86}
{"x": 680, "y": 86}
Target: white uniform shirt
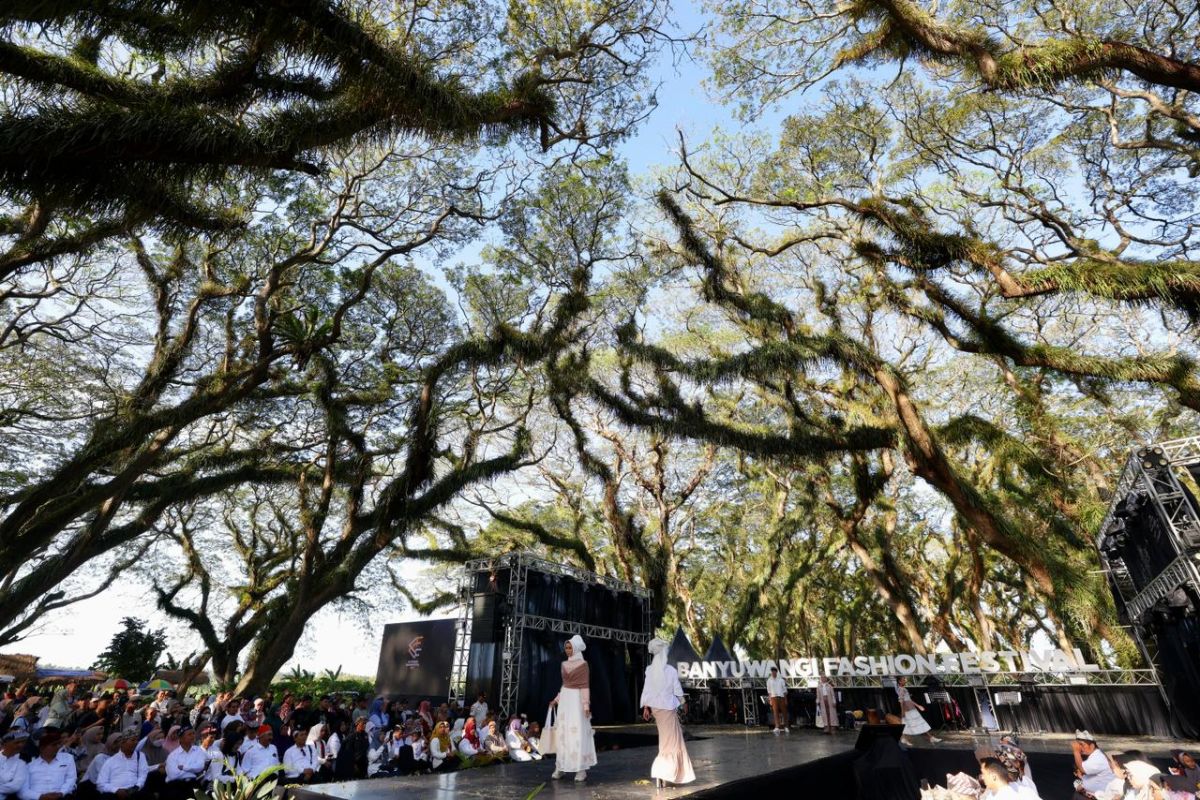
{"x": 257, "y": 758}
{"x": 216, "y": 765}
{"x": 43, "y": 778}
{"x": 93, "y": 771}
{"x": 12, "y": 774}
{"x": 479, "y": 711}
{"x": 186, "y": 765}
{"x": 297, "y": 759}
{"x": 1013, "y": 791}
{"x": 437, "y": 752}
{"x": 668, "y": 697}
{"x": 123, "y": 772}
{"x": 776, "y": 687}
{"x": 1096, "y": 772}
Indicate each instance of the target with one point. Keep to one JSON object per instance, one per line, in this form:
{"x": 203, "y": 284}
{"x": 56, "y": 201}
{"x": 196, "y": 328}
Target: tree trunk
{"x": 269, "y": 655}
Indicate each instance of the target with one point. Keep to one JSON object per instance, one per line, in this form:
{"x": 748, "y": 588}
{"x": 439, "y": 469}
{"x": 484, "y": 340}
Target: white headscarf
{"x": 577, "y": 648}
{"x": 656, "y": 673}
{"x": 314, "y": 737}
{"x": 1140, "y": 773}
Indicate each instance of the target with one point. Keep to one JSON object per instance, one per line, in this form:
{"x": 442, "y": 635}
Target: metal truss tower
{"x": 518, "y": 619}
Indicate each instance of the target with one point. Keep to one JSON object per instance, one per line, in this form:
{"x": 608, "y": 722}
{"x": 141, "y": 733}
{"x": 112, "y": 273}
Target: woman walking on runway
{"x": 573, "y": 742}
{"x": 914, "y": 723}
{"x": 661, "y": 696}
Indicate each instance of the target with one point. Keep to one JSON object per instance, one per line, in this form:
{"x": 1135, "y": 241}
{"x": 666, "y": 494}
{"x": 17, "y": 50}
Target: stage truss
{"x": 1153, "y": 472}
{"x": 519, "y": 565}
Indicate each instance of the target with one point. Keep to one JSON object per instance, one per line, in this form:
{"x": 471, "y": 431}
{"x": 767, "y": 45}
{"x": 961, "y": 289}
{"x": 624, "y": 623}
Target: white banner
{"x": 984, "y": 662}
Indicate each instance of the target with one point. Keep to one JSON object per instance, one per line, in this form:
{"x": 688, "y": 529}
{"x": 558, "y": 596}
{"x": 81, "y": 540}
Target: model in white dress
{"x": 914, "y": 723}
{"x": 574, "y": 744}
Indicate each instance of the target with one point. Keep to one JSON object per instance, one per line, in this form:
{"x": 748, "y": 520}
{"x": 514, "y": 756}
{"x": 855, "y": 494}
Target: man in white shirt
{"x": 124, "y": 773}
{"x": 260, "y": 755}
{"x": 12, "y": 768}
{"x": 777, "y": 697}
{"x": 479, "y": 711}
{"x": 162, "y": 701}
{"x": 50, "y": 776}
{"x": 1091, "y": 765}
{"x": 212, "y": 750}
{"x": 300, "y": 762}
{"x": 996, "y": 779}
{"x": 185, "y": 767}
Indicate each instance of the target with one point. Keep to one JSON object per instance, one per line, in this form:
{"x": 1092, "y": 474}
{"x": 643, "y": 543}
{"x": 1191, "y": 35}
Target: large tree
{"x": 201, "y": 206}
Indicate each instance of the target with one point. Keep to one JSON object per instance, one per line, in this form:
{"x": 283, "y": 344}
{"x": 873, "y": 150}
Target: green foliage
{"x": 243, "y": 787}
{"x": 133, "y": 652}
{"x": 134, "y": 143}
{"x": 300, "y": 682}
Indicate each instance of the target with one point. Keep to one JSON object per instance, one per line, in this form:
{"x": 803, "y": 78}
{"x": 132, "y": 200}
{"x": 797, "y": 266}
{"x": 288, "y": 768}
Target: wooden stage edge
{"x": 721, "y": 756}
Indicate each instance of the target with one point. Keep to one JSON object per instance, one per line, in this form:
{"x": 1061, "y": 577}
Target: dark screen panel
{"x": 416, "y": 658}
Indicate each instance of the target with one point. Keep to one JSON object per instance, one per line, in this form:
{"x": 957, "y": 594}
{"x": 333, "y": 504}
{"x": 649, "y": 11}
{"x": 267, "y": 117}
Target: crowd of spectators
{"x": 118, "y": 746}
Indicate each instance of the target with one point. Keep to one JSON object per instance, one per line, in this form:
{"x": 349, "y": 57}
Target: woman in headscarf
{"x": 662, "y": 695}
{"x": 171, "y": 743}
{"x": 441, "y": 749}
{"x": 426, "y": 715}
{"x": 316, "y": 740}
{"x": 470, "y": 746}
{"x": 456, "y": 733}
{"x": 573, "y": 741}
{"x": 92, "y": 741}
{"x": 493, "y": 743}
{"x": 1138, "y": 773}
{"x": 378, "y": 719}
{"x": 519, "y": 748}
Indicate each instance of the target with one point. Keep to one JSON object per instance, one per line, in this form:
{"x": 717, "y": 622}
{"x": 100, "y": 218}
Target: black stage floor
{"x": 725, "y": 755}
{"x": 730, "y": 761}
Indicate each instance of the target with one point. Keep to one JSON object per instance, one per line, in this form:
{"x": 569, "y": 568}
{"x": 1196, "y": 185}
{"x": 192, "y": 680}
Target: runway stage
{"x": 723, "y": 756}
{"x": 730, "y": 762}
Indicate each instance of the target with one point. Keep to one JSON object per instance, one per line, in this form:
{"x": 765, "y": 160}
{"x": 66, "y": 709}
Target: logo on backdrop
{"x": 988, "y": 661}
{"x": 414, "y": 651}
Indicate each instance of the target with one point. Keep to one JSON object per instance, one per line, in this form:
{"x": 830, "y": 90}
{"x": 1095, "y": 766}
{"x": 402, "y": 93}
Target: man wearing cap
{"x": 12, "y": 768}
{"x": 300, "y": 762}
{"x": 1091, "y": 765}
{"x": 260, "y": 755}
{"x": 50, "y": 776}
{"x": 124, "y": 773}
{"x": 185, "y": 767}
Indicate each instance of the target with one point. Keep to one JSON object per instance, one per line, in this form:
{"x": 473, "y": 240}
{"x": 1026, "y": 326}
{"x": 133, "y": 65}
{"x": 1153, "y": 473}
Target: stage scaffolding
{"x": 1152, "y": 474}
{"x": 517, "y": 621}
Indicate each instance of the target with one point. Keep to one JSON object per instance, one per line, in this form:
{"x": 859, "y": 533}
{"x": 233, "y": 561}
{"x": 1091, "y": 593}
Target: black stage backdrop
{"x": 415, "y": 659}
{"x": 615, "y": 668}
{"x": 1177, "y": 633}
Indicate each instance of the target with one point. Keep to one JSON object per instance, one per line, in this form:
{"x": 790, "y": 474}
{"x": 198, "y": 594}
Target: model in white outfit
{"x": 573, "y": 740}
{"x": 662, "y": 696}
{"x": 914, "y": 723}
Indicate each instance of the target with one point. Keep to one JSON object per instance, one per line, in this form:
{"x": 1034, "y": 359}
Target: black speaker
{"x": 487, "y": 623}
